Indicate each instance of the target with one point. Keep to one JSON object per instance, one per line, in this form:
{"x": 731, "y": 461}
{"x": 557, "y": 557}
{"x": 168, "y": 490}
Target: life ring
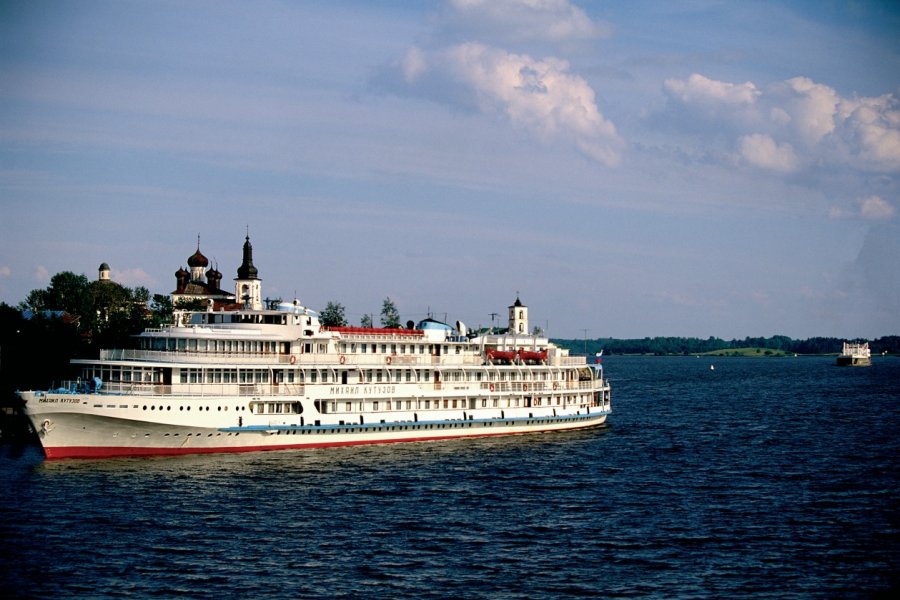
{"x": 45, "y": 426}
{"x": 343, "y": 359}
{"x": 492, "y": 387}
{"x": 555, "y": 385}
{"x": 293, "y": 359}
{"x": 388, "y": 360}
{"x": 524, "y": 387}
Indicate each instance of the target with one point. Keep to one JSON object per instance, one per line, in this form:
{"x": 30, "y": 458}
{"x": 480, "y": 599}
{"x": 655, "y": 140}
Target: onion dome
{"x": 182, "y": 272}
{"x": 104, "y": 267}
{"x": 198, "y": 260}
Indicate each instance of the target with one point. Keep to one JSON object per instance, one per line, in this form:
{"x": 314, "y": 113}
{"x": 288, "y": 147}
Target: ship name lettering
{"x": 60, "y": 400}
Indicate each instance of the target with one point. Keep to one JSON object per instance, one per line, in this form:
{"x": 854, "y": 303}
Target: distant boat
{"x": 855, "y": 355}
{"x": 712, "y": 367}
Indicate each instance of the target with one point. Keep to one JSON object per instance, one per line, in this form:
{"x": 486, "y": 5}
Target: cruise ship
{"x": 258, "y": 376}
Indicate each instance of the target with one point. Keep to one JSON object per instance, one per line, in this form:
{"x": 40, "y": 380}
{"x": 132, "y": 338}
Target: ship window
{"x": 363, "y": 348}
{"x": 348, "y": 406}
{"x": 378, "y": 376}
{"x": 375, "y": 405}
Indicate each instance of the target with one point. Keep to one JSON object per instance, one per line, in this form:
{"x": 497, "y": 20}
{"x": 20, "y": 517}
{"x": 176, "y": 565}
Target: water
{"x": 772, "y": 478}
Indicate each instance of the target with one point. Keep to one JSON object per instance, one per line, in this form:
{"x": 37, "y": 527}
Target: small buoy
{"x": 712, "y": 367}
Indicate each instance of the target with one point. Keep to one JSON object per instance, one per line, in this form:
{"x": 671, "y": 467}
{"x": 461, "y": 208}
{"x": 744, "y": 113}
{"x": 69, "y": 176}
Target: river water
{"x": 763, "y": 478}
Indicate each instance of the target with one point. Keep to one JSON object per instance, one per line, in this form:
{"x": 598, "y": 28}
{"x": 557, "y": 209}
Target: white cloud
{"x": 871, "y": 129}
{"x": 413, "y": 65}
{"x": 874, "y": 207}
{"x": 5, "y": 271}
{"x": 132, "y": 277}
{"x": 699, "y": 90}
{"x": 41, "y": 274}
{"x": 810, "y": 107}
{"x": 540, "y": 96}
{"x": 525, "y": 20}
{"x": 796, "y": 122}
{"x": 762, "y": 151}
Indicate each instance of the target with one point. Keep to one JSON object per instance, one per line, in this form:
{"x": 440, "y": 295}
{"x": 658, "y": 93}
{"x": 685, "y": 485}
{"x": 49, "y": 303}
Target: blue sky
{"x": 631, "y": 169}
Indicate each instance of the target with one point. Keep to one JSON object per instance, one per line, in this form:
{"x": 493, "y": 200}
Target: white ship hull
{"x": 101, "y": 425}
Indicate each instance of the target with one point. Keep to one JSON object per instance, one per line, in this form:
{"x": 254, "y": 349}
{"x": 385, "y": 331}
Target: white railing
{"x": 205, "y": 389}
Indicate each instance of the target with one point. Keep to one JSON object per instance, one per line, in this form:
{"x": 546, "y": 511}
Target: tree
{"x": 67, "y": 292}
{"x": 333, "y": 315}
{"x": 366, "y": 321}
{"x": 390, "y": 317}
{"x": 161, "y": 310}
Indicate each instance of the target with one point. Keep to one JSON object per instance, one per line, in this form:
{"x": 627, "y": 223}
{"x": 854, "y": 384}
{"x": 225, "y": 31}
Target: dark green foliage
{"x": 333, "y": 315}
{"x": 390, "y": 317}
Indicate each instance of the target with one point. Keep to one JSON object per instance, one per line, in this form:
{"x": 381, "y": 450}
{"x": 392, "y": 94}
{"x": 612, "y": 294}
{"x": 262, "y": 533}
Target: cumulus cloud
{"x": 874, "y": 207}
{"x": 699, "y": 90}
{"x": 41, "y": 274}
{"x": 523, "y": 20}
{"x": 540, "y": 96}
{"x": 796, "y": 122}
{"x": 871, "y": 129}
{"x": 762, "y": 151}
{"x": 132, "y": 277}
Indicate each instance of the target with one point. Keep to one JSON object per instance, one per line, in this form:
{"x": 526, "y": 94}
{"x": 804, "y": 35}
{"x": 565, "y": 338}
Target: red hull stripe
{"x": 123, "y": 452}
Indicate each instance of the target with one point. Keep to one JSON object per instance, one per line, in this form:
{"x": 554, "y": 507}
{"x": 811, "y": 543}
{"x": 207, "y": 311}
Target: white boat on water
{"x": 855, "y": 355}
{"x": 251, "y": 378}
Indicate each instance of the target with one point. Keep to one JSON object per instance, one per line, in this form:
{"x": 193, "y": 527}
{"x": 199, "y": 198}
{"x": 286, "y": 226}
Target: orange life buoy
{"x": 555, "y": 385}
{"x": 492, "y": 387}
{"x": 388, "y": 360}
{"x": 343, "y": 359}
{"x": 293, "y": 359}
{"x": 524, "y": 387}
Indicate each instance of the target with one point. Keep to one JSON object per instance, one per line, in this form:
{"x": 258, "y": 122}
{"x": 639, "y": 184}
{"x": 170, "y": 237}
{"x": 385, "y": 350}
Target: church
{"x": 200, "y": 284}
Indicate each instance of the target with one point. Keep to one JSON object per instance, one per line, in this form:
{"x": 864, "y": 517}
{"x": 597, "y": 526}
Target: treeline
{"x": 668, "y": 346}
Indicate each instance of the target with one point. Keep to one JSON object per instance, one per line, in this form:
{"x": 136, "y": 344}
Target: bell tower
{"x": 247, "y": 285}
{"x": 518, "y": 317}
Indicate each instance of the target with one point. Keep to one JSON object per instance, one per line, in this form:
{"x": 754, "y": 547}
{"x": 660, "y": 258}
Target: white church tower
{"x": 518, "y": 317}
{"x": 247, "y": 285}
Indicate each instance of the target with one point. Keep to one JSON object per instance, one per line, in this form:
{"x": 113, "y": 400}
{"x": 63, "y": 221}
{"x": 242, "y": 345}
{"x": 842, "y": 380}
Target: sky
{"x": 628, "y": 169}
